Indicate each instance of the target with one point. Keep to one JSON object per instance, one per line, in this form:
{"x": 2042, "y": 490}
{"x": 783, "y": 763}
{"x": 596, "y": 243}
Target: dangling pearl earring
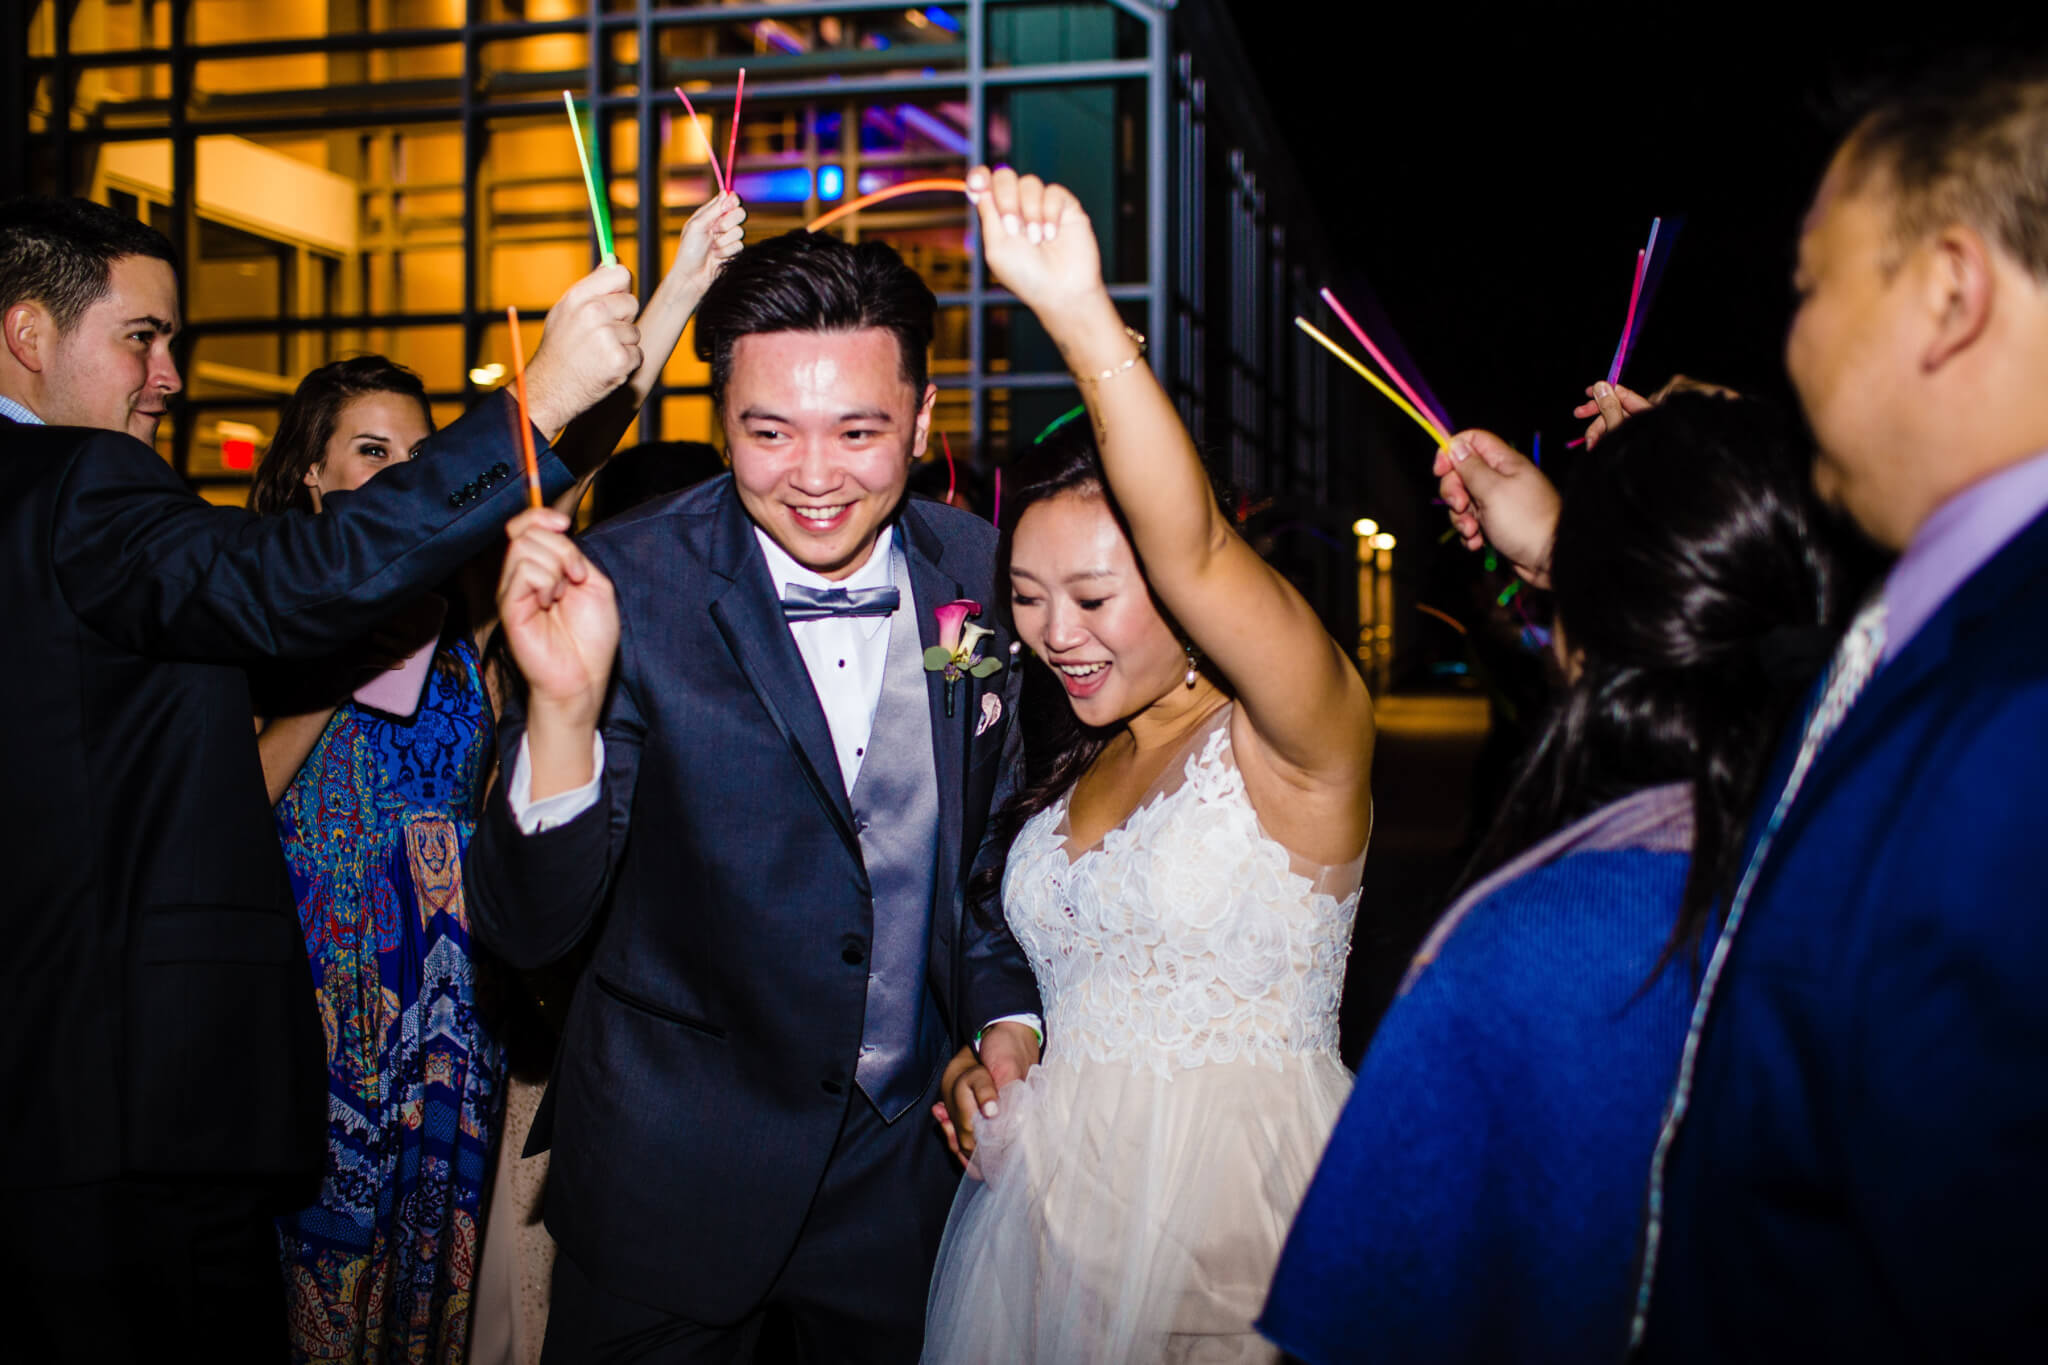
{"x": 1190, "y": 679}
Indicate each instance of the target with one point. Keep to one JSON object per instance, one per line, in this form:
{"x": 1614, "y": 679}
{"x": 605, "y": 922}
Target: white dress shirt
{"x": 845, "y": 654}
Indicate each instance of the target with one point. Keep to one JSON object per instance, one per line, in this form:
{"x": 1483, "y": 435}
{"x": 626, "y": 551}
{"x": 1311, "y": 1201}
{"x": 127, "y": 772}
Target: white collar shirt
{"x": 844, "y": 654}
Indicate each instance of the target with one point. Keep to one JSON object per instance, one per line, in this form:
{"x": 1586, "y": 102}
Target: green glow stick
{"x": 600, "y": 212}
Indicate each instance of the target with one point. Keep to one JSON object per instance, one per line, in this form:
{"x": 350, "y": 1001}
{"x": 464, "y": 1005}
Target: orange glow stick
{"x": 1453, "y": 622}
{"x": 732, "y": 146}
{"x": 885, "y": 193}
{"x": 710, "y": 152}
{"x": 533, "y": 497}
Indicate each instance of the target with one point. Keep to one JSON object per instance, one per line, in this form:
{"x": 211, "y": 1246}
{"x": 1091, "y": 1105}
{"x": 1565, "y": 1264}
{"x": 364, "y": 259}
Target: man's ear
{"x": 921, "y": 434}
{"x": 1960, "y": 281}
{"x": 30, "y": 334}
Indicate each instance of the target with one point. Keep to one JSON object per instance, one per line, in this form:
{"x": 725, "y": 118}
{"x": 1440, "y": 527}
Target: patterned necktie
{"x": 802, "y": 602}
{"x": 1862, "y": 649}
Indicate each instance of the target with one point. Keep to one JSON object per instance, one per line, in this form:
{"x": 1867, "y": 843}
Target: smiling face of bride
{"x": 1081, "y": 603}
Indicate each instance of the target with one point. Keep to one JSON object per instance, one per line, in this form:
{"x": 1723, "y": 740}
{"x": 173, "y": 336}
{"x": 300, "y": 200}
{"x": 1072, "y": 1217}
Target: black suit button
{"x": 455, "y": 499}
{"x": 501, "y": 469}
{"x": 854, "y": 953}
{"x": 832, "y": 1087}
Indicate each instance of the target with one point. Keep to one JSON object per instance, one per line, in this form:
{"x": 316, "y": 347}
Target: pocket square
{"x": 991, "y": 712}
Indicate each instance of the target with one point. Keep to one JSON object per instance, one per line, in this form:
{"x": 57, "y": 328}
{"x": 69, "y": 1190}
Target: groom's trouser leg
{"x": 856, "y": 1284}
{"x": 589, "y": 1326}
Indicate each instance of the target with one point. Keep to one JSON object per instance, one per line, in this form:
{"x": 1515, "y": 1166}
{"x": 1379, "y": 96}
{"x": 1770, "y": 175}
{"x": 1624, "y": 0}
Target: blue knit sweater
{"x": 1482, "y": 1195}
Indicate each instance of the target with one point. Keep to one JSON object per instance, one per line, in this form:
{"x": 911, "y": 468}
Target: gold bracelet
{"x": 1115, "y": 370}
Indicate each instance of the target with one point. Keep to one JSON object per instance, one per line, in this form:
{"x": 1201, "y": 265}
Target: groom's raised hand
{"x": 970, "y": 1085}
{"x": 561, "y": 620}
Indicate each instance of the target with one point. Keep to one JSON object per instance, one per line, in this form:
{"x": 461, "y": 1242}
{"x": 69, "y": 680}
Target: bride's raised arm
{"x": 1303, "y": 700}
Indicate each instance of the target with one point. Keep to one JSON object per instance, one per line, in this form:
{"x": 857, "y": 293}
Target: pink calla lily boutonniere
{"x": 958, "y": 651}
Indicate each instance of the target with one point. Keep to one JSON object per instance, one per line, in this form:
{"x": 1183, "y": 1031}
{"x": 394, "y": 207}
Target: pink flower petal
{"x": 951, "y": 617}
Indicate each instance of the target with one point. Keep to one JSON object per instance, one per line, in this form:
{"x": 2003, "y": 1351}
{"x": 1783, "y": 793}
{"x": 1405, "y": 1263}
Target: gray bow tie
{"x": 801, "y": 602}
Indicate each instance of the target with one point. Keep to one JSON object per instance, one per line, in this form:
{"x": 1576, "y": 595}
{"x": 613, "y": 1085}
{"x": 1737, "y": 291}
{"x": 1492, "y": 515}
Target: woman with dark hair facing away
{"x": 377, "y": 794}
{"x": 1481, "y": 1197}
{"x": 1183, "y": 878}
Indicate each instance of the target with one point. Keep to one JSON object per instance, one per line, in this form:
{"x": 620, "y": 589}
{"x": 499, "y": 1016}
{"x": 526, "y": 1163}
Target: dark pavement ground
{"x": 1422, "y": 778}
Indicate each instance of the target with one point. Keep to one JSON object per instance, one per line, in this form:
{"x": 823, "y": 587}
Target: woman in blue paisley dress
{"x": 374, "y": 809}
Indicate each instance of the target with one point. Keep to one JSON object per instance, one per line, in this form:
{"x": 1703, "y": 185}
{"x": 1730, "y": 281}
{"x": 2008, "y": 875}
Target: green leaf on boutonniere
{"x": 985, "y": 667}
{"x": 936, "y": 658}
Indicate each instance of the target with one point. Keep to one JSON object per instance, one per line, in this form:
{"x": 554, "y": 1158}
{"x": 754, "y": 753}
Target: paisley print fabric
{"x": 381, "y": 1267}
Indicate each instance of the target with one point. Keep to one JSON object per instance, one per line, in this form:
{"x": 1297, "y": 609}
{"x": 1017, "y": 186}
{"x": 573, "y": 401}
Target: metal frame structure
{"x": 1231, "y": 250}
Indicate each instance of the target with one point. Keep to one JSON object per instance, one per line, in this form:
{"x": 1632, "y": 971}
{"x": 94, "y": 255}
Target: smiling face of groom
{"x": 817, "y": 352}
{"x": 822, "y": 428}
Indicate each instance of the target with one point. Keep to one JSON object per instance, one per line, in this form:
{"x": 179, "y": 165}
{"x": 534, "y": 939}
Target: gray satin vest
{"x": 896, "y": 813}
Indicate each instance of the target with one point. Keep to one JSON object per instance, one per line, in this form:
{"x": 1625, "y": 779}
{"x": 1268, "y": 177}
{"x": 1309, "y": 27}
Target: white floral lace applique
{"x": 1186, "y": 937}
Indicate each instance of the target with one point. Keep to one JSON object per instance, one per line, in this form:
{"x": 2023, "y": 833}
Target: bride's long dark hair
{"x": 1697, "y": 585}
{"x": 1058, "y": 748}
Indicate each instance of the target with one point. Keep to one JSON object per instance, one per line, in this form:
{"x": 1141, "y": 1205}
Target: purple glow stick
{"x": 1653, "y": 275}
{"x": 995, "y": 514}
{"x": 1359, "y": 332}
{"x": 1635, "y": 293}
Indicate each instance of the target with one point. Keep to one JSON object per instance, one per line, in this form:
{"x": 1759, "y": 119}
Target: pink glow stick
{"x": 732, "y": 146}
{"x": 710, "y": 152}
{"x": 995, "y": 515}
{"x": 1352, "y": 326}
{"x": 947, "y": 446}
{"x": 1635, "y": 295}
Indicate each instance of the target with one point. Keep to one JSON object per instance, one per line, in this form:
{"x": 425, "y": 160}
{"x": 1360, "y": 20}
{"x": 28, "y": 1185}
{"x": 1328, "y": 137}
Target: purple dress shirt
{"x": 1957, "y": 540}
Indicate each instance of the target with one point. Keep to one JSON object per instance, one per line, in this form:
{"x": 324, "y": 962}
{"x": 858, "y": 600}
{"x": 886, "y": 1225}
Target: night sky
{"x": 1491, "y": 182}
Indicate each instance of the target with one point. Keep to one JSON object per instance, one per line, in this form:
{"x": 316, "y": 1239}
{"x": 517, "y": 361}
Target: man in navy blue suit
{"x": 1855, "y": 1165}
{"x": 747, "y": 764}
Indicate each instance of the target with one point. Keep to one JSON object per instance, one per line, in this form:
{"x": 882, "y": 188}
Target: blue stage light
{"x": 831, "y": 183}
{"x": 942, "y": 19}
{"x": 789, "y": 185}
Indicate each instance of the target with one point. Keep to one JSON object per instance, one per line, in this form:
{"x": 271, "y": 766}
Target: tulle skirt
{"x": 1115, "y": 1215}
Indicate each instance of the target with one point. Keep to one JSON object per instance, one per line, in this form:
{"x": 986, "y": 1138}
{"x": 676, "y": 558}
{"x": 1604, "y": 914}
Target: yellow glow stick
{"x": 1435, "y": 432}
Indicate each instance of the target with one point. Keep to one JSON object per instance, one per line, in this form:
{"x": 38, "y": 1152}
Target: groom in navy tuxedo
{"x": 742, "y": 765}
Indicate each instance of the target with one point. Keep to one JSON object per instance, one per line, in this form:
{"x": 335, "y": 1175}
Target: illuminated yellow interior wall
{"x": 275, "y": 239}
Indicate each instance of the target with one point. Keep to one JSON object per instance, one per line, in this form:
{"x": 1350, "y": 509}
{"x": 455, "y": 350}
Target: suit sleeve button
{"x": 854, "y": 953}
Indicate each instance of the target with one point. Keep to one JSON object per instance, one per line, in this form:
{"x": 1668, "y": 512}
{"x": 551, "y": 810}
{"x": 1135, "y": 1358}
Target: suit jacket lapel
{"x": 934, "y": 588}
{"x": 1902, "y": 678}
{"x": 749, "y": 616}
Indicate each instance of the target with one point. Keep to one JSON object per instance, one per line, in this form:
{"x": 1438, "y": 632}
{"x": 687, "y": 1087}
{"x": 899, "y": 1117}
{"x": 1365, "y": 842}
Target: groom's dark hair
{"x": 814, "y": 282}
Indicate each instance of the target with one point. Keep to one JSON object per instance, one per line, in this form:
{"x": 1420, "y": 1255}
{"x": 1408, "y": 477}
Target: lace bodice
{"x": 1189, "y": 935}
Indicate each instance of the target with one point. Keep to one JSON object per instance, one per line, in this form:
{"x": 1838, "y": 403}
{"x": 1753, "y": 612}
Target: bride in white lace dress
{"x": 1183, "y": 879}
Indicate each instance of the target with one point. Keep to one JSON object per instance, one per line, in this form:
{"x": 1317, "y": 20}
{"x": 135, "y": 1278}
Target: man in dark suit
{"x": 772, "y": 802}
{"x": 162, "y": 1083}
{"x": 1855, "y": 1161}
